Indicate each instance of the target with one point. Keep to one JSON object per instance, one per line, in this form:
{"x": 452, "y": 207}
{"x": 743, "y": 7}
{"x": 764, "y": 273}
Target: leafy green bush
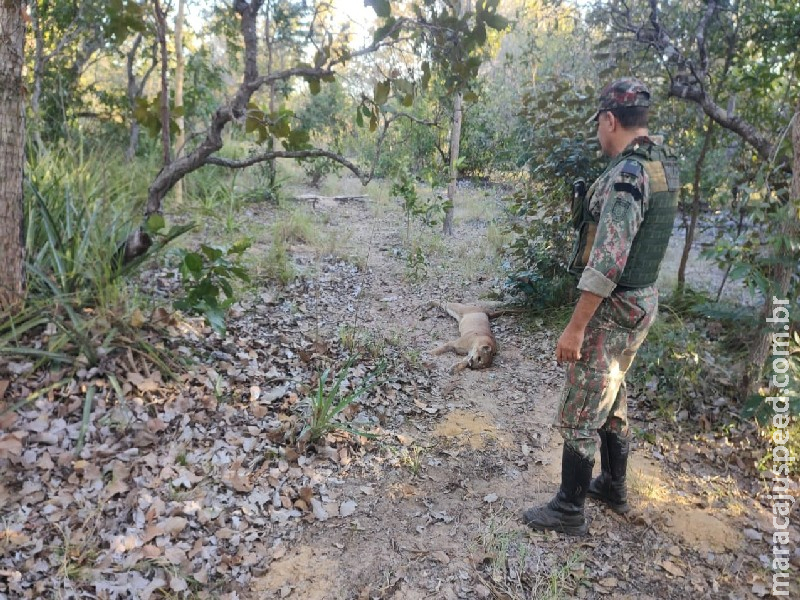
{"x": 316, "y": 169}
{"x": 761, "y": 240}
{"x": 206, "y": 275}
{"x": 557, "y": 152}
{"x": 429, "y": 211}
{"x": 416, "y": 264}
{"x": 77, "y": 214}
{"x": 539, "y": 252}
{"x": 784, "y": 384}
{"x": 672, "y": 368}
{"x": 757, "y": 407}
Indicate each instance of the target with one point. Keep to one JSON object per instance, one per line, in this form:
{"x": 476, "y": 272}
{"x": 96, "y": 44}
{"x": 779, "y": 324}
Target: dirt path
{"x": 437, "y": 516}
{"x": 198, "y": 487}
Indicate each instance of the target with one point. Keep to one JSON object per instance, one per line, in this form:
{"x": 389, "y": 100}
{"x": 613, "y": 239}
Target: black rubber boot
{"x": 564, "y": 513}
{"x": 609, "y": 487}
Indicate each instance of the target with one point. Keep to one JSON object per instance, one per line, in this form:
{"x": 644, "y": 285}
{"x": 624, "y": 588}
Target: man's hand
{"x": 569, "y": 344}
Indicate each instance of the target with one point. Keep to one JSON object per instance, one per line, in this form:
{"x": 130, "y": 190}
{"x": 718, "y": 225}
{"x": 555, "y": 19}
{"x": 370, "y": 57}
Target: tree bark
{"x": 12, "y": 144}
{"x": 135, "y": 91}
{"x": 271, "y": 166}
{"x": 180, "y": 139}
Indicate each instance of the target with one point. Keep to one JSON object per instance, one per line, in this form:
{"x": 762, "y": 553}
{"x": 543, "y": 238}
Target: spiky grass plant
{"x": 324, "y": 407}
{"x": 80, "y": 209}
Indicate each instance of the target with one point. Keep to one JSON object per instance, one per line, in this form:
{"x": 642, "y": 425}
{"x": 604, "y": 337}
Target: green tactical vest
{"x": 650, "y": 243}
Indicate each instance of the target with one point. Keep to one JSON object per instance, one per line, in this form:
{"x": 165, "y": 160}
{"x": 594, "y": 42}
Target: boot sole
{"x": 620, "y": 509}
{"x": 576, "y": 530}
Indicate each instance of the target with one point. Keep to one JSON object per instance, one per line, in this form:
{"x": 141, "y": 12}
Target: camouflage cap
{"x": 627, "y": 91}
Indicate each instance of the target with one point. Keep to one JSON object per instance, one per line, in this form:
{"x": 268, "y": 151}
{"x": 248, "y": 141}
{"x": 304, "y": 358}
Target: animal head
{"x": 480, "y": 357}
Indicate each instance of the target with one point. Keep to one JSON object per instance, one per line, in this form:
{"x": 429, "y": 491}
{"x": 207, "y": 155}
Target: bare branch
{"x": 273, "y": 154}
{"x": 398, "y": 25}
{"x": 312, "y": 72}
{"x": 413, "y": 119}
{"x": 761, "y": 144}
{"x": 691, "y": 83}
{"x": 700, "y": 36}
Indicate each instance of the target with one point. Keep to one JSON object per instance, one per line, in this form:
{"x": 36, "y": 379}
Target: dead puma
{"x": 476, "y": 341}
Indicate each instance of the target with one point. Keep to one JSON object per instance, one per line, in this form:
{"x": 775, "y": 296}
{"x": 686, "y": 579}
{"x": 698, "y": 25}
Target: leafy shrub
{"x": 556, "y": 152}
{"x": 206, "y": 275}
{"x": 416, "y": 264}
{"x": 316, "y": 169}
{"x": 429, "y": 211}
{"x": 278, "y": 264}
{"x": 539, "y": 252}
{"x": 757, "y": 407}
{"x": 672, "y": 370}
{"x": 79, "y": 211}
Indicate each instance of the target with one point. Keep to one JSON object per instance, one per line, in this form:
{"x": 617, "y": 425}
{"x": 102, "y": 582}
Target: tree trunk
{"x": 789, "y": 229}
{"x": 12, "y": 144}
{"x": 690, "y": 229}
{"x": 455, "y": 142}
{"x": 135, "y": 91}
{"x": 161, "y": 29}
{"x": 180, "y": 140}
{"x": 271, "y": 167}
{"x": 133, "y": 141}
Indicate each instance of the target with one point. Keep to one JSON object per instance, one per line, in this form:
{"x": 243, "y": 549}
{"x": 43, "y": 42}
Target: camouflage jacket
{"x": 618, "y": 200}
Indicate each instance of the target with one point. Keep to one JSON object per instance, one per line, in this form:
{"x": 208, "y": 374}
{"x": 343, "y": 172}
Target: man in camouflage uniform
{"x": 624, "y": 223}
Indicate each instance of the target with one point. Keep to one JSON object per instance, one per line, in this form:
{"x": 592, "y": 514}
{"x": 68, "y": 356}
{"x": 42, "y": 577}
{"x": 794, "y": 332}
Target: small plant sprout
{"x": 206, "y": 275}
{"x": 325, "y": 405}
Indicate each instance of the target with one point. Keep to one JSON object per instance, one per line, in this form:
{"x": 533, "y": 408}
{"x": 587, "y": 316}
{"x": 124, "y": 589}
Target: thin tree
{"x": 455, "y": 144}
{"x": 135, "y": 90}
{"x": 691, "y": 226}
{"x": 180, "y": 138}
{"x": 12, "y": 144}
{"x": 161, "y": 34}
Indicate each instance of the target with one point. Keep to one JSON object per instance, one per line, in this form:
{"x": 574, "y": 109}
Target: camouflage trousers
{"x": 594, "y": 394}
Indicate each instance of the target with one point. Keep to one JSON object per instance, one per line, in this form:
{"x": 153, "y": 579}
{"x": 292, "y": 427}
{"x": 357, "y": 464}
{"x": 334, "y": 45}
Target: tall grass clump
{"x": 79, "y": 210}
{"x": 77, "y": 214}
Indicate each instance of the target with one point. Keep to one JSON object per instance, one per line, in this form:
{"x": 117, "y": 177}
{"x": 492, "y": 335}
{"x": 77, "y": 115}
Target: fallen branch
{"x": 313, "y": 198}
